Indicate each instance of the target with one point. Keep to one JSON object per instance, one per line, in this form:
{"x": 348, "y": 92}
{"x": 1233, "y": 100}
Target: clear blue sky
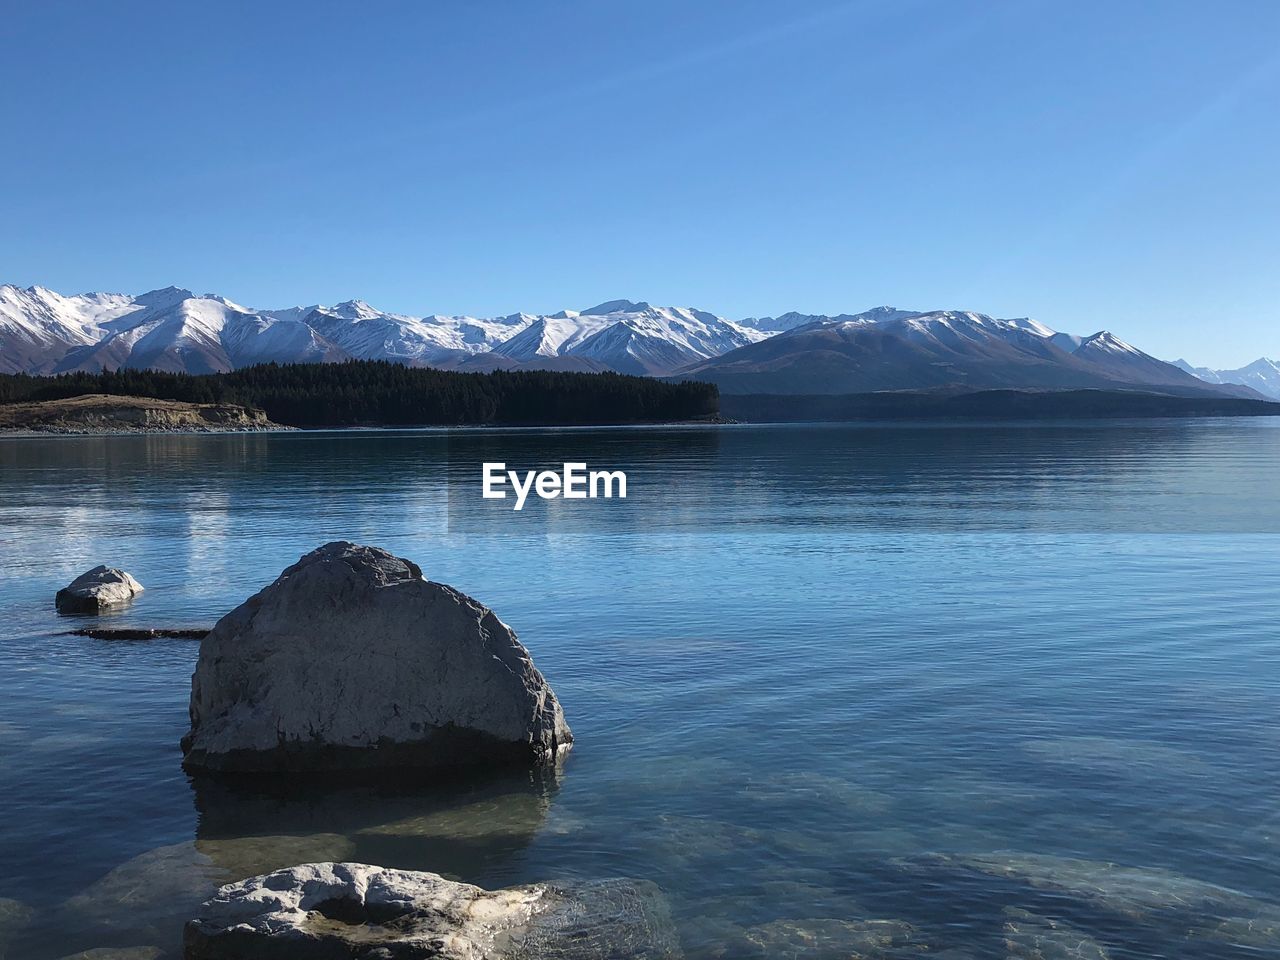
{"x": 1092, "y": 164}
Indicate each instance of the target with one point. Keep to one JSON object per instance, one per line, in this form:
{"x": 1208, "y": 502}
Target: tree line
{"x": 379, "y": 392}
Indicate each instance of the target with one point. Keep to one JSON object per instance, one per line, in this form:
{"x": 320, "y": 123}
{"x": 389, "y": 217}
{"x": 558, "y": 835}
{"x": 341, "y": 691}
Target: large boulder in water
{"x": 96, "y": 590}
{"x": 321, "y": 911}
{"x": 350, "y": 659}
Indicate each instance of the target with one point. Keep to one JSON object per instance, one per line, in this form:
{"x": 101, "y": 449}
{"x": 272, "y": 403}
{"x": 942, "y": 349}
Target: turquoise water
{"x": 818, "y": 675}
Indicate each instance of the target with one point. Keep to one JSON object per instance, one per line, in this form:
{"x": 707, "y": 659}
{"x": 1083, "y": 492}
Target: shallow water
{"x": 816, "y": 673}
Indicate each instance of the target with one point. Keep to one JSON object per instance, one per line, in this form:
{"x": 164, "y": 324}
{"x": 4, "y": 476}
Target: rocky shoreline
{"x": 102, "y": 414}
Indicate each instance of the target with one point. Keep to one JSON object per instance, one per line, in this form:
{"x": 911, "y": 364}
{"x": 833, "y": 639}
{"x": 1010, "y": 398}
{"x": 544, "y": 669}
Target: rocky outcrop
{"x": 103, "y": 414}
{"x": 350, "y": 659}
{"x": 320, "y": 911}
{"x": 96, "y": 590}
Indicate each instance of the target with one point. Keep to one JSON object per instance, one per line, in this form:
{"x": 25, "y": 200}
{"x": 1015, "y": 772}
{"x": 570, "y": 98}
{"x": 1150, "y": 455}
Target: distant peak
{"x": 354, "y": 310}
{"x": 164, "y": 296}
{"x": 1102, "y": 336}
{"x": 616, "y": 306}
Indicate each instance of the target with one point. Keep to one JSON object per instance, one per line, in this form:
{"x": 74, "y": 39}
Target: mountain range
{"x": 44, "y": 332}
{"x": 1262, "y": 375}
{"x": 891, "y": 349}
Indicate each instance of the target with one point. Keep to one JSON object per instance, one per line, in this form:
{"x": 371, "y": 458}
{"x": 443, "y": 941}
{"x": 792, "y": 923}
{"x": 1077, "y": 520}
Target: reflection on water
{"x": 841, "y": 691}
{"x": 465, "y": 829}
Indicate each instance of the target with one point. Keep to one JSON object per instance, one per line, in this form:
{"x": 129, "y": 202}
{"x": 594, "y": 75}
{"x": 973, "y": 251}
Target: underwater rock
{"x": 14, "y": 916}
{"x": 1115, "y": 756}
{"x": 142, "y": 895}
{"x": 515, "y": 815}
{"x": 778, "y": 899}
{"x": 1031, "y": 937}
{"x": 821, "y": 939}
{"x": 117, "y": 953}
{"x": 1134, "y": 892}
{"x": 816, "y": 790}
{"x": 1260, "y": 932}
{"x": 351, "y": 660}
{"x": 319, "y": 911}
{"x": 96, "y": 590}
{"x": 468, "y": 826}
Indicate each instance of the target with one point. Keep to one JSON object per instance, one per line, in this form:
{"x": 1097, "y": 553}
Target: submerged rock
{"x": 468, "y": 826}
{"x": 822, "y": 939}
{"x": 96, "y": 590}
{"x": 1252, "y": 933}
{"x": 323, "y": 910}
{"x": 1134, "y": 892}
{"x": 117, "y": 953}
{"x": 350, "y": 659}
{"x": 769, "y": 899}
{"x": 14, "y": 916}
{"x": 1031, "y": 937}
{"x": 1115, "y": 756}
{"x": 1157, "y": 898}
{"x": 140, "y": 897}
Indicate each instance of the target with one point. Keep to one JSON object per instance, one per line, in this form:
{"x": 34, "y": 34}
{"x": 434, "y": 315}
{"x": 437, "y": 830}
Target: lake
{"x": 945, "y": 676}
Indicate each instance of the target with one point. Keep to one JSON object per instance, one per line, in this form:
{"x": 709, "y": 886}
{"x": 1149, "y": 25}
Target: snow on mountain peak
{"x": 163, "y": 296}
{"x": 355, "y": 310}
{"x": 1262, "y": 375}
{"x": 170, "y": 328}
{"x": 1108, "y": 341}
{"x": 616, "y": 306}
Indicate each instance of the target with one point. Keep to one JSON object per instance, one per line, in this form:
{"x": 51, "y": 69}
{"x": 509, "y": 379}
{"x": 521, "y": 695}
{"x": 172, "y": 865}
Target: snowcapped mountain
{"x": 1262, "y": 375}
{"x": 628, "y": 337}
{"x": 885, "y": 348}
{"x": 789, "y": 321}
{"x": 891, "y": 349}
{"x": 369, "y": 334}
{"x": 175, "y": 330}
{"x": 38, "y": 326}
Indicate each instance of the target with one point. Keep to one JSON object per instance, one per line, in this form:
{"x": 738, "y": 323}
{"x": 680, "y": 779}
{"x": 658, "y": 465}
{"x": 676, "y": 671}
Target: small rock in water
{"x": 351, "y": 660}
{"x": 96, "y": 590}
{"x": 1031, "y": 937}
{"x": 323, "y": 910}
{"x": 141, "y": 633}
